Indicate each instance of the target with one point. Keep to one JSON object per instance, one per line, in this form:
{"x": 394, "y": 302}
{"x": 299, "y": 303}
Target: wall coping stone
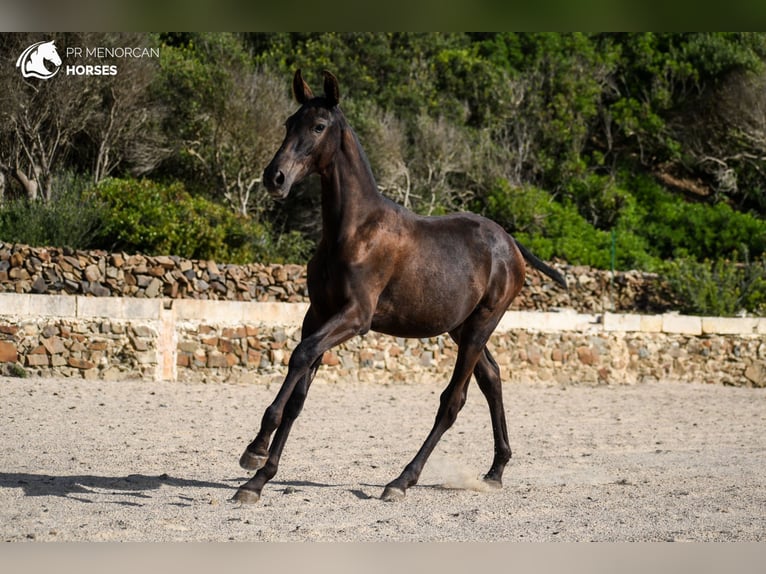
{"x": 291, "y": 314}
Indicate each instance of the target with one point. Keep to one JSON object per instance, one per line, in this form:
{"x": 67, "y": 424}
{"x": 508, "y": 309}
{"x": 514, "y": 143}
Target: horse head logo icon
{"x": 32, "y": 60}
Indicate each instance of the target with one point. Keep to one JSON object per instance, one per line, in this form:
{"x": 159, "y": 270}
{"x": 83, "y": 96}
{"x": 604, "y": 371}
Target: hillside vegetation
{"x": 626, "y": 151}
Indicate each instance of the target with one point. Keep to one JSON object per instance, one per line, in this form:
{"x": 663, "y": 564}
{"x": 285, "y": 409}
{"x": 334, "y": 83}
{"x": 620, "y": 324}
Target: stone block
{"x": 8, "y": 353}
{"x": 9, "y": 329}
{"x": 217, "y": 360}
{"x": 37, "y": 360}
{"x": 547, "y": 322}
{"x": 54, "y": 345}
{"x": 681, "y": 324}
{"x": 587, "y": 355}
{"x": 153, "y": 288}
{"x": 272, "y": 313}
{"x": 622, "y": 322}
{"x": 52, "y": 306}
{"x": 729, "y": 325}
{"x": 651, "y": 323}
{"x": 80, "y": 363}
{"x": 756, "y": 373}
{"x": 146, "y": 357}
{"x": 90, "y": 307}
{"x": 144, "y": 331}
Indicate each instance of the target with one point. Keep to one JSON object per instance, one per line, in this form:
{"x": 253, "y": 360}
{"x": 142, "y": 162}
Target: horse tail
{"x": 542, "y": 267}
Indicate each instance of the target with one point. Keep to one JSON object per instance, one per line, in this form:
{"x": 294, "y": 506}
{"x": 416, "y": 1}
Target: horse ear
{"x": 301, "y": 89}
{"x": 331, "y": 92}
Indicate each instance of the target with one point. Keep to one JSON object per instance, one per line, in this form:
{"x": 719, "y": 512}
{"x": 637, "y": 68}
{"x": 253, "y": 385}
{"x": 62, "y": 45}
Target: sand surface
{"x": 140, "y": 461}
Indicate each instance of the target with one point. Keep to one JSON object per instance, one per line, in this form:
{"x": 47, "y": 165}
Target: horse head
{"x": 313, "y": 136}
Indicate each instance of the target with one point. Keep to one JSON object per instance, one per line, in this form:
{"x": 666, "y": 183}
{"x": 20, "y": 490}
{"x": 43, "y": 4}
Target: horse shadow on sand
{"x": 135, "y": 489}
{"x": 84, "y": 487}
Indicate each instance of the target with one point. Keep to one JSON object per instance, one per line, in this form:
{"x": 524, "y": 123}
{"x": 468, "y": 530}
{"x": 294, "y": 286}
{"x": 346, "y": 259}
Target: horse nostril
{"x": 280, "y": 178}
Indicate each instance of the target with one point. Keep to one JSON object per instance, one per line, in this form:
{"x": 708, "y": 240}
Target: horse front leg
{"x": 280, "y": 415}
{"x": 267, "y": 463}
{"x": 257, "y": 452}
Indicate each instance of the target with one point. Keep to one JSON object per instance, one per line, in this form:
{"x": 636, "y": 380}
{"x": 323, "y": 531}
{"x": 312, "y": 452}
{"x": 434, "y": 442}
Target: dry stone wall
{"x": 555, "y": 348}
{"x": 103, "y": 349}
{"x": 107, "y": 316}
{"x": 25, "y": 269}
{"x": 195, "y": 340}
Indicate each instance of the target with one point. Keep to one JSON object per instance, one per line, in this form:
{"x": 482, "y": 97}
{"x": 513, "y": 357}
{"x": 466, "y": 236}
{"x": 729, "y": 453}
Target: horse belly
{"x": 423, "y": 310}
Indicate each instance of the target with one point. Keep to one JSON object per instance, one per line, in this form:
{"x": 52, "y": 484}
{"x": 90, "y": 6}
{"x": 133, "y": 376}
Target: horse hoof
{"x": 250, "y": 461}
{"x": 493, "y": 483}
{"x": 392, "y": 494}
{"x": 246, "y": 496}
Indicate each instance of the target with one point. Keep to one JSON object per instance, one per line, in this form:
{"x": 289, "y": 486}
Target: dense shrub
{"x": 153, "y": 218}
{"x": 723, "y": 287}
{"x": 676, "y": 227}
{"x": 68, "y": 219}
{"x": 554, "y": 229}
{"x": 642, "y": 224}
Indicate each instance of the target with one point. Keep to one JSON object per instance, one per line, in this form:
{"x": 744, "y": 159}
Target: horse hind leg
{"x": 471, "y": 343}
{"x": 487, "y": 375}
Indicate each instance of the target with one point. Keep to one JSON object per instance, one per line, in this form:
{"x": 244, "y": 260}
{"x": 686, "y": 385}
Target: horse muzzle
{"x": 276, "y": 182}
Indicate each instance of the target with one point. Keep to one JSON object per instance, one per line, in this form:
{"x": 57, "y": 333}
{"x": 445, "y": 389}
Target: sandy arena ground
{"x": 139, "y": 461}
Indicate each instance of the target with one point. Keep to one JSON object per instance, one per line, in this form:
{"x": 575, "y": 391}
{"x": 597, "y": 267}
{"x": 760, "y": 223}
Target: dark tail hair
{"x": 542, "y": 267}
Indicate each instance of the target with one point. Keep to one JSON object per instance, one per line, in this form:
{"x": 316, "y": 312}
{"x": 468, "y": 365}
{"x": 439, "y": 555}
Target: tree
{"x": 441, "y": 161}
{"x": 101, "y": 121}
{"x": 667, "y": 105}
{"x": 227, "y": 115}
{"x": 125, "y": 127}
{"x": 38, "y": 119}
{"x": 384, "y": 137}
{"x": 728, "y": 148}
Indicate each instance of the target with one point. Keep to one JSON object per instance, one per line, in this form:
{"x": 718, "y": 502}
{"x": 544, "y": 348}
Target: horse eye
{"x": 319, "y": 128}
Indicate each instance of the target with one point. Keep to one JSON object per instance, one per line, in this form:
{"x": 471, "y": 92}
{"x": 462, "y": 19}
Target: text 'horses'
{"x": 381, "y": 267}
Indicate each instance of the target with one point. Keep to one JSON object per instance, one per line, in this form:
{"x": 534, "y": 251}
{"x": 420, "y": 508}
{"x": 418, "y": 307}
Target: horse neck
{"x": 349, "y": 191}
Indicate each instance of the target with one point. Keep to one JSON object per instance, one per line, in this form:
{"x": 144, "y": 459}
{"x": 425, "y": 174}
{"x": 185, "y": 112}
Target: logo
{"x": 33, "y": 61}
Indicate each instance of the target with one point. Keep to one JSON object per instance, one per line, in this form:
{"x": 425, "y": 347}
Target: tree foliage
{"x": 651, "y": 144}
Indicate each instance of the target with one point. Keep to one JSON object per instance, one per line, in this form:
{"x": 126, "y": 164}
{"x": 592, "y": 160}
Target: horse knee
{"x": 450, "y": 405}
{"x": 299, "y": 359}
{"x": 272, "y": 417}
{"x": 295, "y": 404}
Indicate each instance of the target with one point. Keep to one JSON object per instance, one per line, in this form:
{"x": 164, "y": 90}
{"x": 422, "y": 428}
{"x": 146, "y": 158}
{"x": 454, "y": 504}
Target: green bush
{"x": 723, "y": 287}
{"x": 676, "y": 227}
{"x": 69, "y": 219}
{"x": 154, "y": 218}
{"x": 644, "y": 223}
{"x": 552, "y": 229}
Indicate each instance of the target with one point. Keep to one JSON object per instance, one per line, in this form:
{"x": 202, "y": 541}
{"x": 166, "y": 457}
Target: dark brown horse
{"x": 380, "y": 267}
